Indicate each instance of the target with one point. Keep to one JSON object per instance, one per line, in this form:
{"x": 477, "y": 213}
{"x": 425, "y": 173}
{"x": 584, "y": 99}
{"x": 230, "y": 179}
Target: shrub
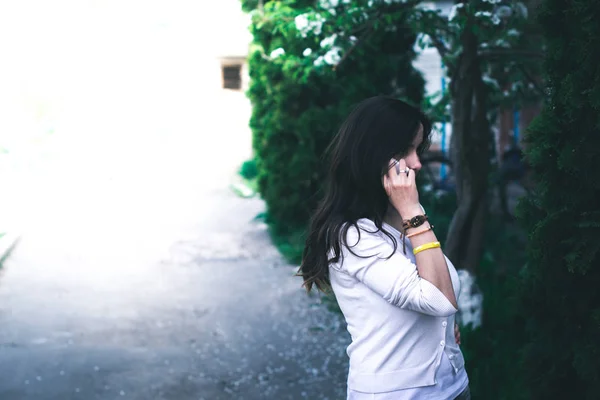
{"x": 301, "y": 89}
{"x": 248, "y": 170}
{"x": 559, "y": 292}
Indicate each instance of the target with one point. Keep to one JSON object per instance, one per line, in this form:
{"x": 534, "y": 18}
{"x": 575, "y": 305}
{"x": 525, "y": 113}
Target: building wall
{"x": 429, "y": 63}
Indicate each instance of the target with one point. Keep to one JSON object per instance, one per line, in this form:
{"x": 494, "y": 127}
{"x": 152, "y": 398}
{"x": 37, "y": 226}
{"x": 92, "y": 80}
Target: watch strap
{"x": 414, "y": 222}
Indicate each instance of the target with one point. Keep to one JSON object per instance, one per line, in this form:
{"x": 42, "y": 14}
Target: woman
{"x": 370, "y": 241}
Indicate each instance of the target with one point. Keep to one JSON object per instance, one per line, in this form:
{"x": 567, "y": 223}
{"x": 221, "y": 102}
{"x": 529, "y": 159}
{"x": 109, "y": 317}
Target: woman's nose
{"x": 416, "y": 165}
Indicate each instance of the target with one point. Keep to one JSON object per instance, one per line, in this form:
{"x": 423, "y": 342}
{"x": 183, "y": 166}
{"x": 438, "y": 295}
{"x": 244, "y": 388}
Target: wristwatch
{"x": 414, "y": 222}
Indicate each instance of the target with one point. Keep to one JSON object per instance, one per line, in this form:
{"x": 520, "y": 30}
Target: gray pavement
{"x": 215, "y": 314}
{"x": 139, "y": 274}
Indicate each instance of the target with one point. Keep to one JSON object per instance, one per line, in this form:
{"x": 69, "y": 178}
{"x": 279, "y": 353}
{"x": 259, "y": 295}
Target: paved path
{"x": 203, "y": 308}
{"x": 140, "y": 275}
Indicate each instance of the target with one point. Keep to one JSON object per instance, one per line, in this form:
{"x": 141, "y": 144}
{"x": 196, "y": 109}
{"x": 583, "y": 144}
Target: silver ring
{"x": 406, "y": 171}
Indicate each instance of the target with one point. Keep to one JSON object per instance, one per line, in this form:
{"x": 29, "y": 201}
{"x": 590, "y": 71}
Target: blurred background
{"x": 159, "y": 162}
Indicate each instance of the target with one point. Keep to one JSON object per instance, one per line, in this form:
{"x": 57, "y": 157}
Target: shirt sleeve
{"x": 396, "y": 279}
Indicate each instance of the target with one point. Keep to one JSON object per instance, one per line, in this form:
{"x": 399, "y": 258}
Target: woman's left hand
{"x": 456, "y": 333}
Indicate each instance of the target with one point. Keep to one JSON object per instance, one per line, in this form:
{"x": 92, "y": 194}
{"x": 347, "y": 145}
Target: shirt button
{"x": 444, "y": 324}
{"x": 442, "y": 343}
{"x": 451, "y": 356}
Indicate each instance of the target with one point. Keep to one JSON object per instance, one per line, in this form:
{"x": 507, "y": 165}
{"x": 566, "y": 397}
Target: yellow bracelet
{"x": 426, "y": 246}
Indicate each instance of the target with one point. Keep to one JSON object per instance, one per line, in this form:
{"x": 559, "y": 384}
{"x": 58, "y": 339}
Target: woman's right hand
{"x": 401, "y": 188}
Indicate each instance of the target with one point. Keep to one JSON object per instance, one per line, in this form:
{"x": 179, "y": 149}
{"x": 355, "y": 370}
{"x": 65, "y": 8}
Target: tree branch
{"x": 443, "y": 50}
{"x": 440, "y": 46}
{"x": 385, "y": 10}
{"x": 367, "y": 27}
{"x": 354, "y": 46}
{"x": 401, "y": 6}
{"x": 532, "y": 81}
{"x": 499, "y": 52}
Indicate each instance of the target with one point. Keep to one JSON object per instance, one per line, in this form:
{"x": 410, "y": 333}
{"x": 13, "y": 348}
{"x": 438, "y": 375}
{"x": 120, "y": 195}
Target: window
{"x": 232, "y": 76}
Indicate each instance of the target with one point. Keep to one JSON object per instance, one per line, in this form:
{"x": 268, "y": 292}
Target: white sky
{"x": 121, "y": 84}
{"x": 62, "y": 53}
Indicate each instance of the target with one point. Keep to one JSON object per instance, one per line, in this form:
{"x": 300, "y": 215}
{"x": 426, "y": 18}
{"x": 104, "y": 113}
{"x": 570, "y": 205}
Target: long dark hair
{"x": 378, "y": 129}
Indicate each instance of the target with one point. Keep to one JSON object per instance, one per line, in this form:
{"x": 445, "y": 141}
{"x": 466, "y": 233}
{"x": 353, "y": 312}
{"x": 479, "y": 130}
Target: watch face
{"x": 418, "y": 220}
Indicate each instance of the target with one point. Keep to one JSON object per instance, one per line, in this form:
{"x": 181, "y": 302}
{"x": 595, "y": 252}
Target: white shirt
{"x": 400, "y": 324}
{"x": 449, "y": 385}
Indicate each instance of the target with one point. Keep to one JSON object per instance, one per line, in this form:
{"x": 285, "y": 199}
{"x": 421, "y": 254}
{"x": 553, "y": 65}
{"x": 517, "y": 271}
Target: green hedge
{"x": 560, "y": 288}
{"x": 300, "y": 96}
{"x": 492, "y": 350}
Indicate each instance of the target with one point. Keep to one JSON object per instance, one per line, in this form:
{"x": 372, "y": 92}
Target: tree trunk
{"x": 470, "y": 154}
